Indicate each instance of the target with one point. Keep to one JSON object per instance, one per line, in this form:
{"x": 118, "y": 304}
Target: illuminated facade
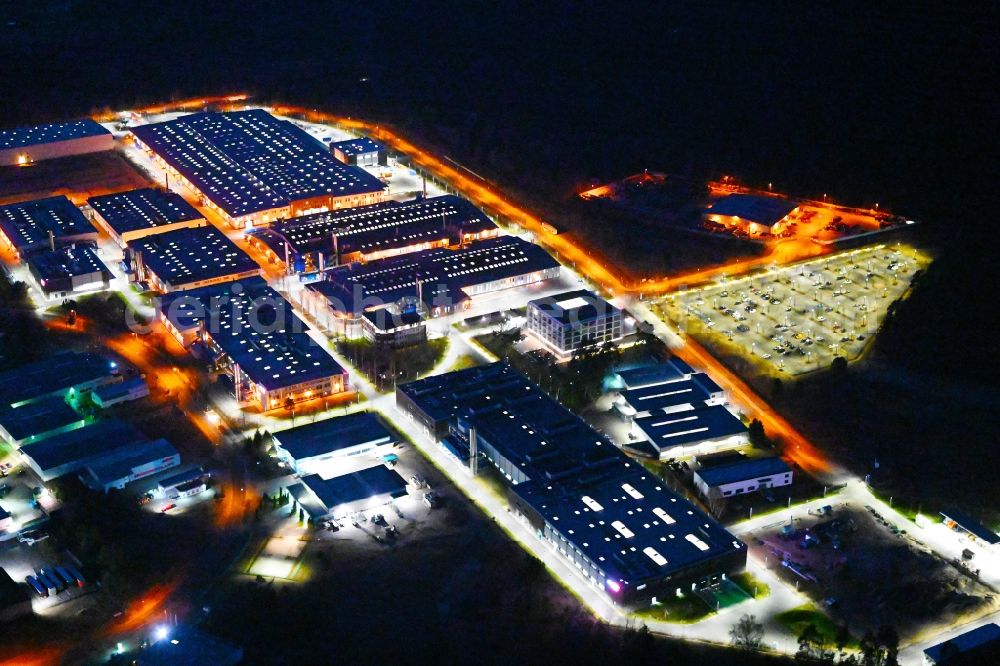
{"x": 127, "y": 216}
{"x": 752, "y": 214}
{"x": 25, "y": 145}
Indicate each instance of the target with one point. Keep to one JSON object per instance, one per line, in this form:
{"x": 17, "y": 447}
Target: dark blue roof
{"x": 65, "y": 263}
{"x": 28, "y": 223}
{"x": 706, "y": 383}
{"x": 188, "y": 646}
{"x": 752, "y": 207}
{"x": 58, "y": 372}
{"x": 193, "y": 254}
{"x": 384, "y": 320}
{"x": 666, "y": 395}
{"x": 971, "y": 525}
{"x": 143, "y": 209}
{"x": 328, "y": 435}
{"x": 574, "y": 306}
{"x": 112, "y": 391}
{"x": 250, "y": 161}
{"x": 37, "y": 417}
{"x": 89, "y": 445}
{"x": 358, "y": 146}
{"x": 34, "y": 135}
{"x": 361, "y": 485}
{"x": 245, "y": 329}
{"x": 443, "y": 273}
{"x": 744, "y": 470}
{"x": 666, "y": 431}
{"x": 382, "y": 226}
{"x": 117, "y": 469}
{"x": 655, "y": 374}
{"x": 967, "y": 642}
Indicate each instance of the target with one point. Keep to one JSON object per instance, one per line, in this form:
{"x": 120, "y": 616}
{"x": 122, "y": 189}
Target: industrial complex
{"x": 39, "y": 223}
{"x": 253, "y": 168}
{"x": 127, "y": 216}
{"x": 623, "y": 529}
{"x": 23, "y": 146}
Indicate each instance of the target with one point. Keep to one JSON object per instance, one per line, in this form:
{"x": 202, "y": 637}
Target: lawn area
{"x": 751, "y": 585}
{"x": 686, "y": 609}
{"x": 797, "y": 619}
{"x": 464, "y": 361}
{"x": 383, "y": 366}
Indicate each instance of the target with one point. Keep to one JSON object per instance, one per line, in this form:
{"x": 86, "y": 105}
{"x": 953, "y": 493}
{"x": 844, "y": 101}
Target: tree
{"x": 747, "y": 633}
{"x": 812, "y": 646}
{"x": 756, "y": 435}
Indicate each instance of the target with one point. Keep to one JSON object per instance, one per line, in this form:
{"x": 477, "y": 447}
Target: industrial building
{"x": 40, "y": 223}
{"x": 976, "y": 646}
{"x": 55, "y": 375}
{"x": 253, "y": 168}
{"x": 188, "y": 646}
{"x": 971, "y": 528}
{"x": 68, "y": 270}
{"x": 95, "y": 445}
{"x": 360, "y": 152}
{"x": 22, "y": 146}
{"x": 671, "y": 396}
{"x": 436, "y": 282}
{"x": 187, "y": 259}
{"x": 751, "y": 213}
{"x": 250, "y": 330}
{"x": 34, "y": 421}
{"x": 114, "y": 394}
{"x": 574, "y": 320}
{"x": 391, "y": 329}
{"x": 305, "y": 447}
{"x": 126, "y": 216}
{"x": 147, "y": 459}
{"x": 700, "y": 430}
{"x": 741, "y": 475}
{"x": 625, "y": 532}
{"x": 312, "y": 243}
{"x": 343, "y": 496}
{"x": 15, "y": 599}
{"x": 648, "y": 375}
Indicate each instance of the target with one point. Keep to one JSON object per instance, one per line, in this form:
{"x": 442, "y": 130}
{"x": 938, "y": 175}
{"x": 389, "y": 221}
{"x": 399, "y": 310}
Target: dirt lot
{"x": 78, "y": 177}
{"x": 867, "y": 573}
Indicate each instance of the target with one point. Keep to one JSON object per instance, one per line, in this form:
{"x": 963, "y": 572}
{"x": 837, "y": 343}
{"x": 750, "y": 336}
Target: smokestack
{"x": 473, "y": 451}
{"x": 336, "y": 250}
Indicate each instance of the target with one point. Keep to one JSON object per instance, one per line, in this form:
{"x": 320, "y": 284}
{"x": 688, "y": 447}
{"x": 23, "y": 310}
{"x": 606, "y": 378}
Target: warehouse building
{"x": 574, "y": 320}
{"x": 741, "y": 475}
{"x": 253, "y": 168}
{"x": 971, "y": 528}
{"x": 15, "y": 599}
{"x": 343, "y": 496}
{"x": 250, "y": 330}
{"x": 56, "y": 375}
{"x": 700, "y": 430}
{"x": 360, "y": 152}
{"x": 34, "y": 421}
{"x": 312, "y": 243}
{"x": 97, "y": 444}
{"x": 678, "y": 395}
{"x": 147, "y": 459}
{"x": 188, "y": 646}
{"x": 306, "y": 447}
{"x": 115, "y": 394}
{"x": 436, "y": 282}
{"x": 127, "y": 216}
{"x": 648, "y": 375}
{"x": 24, "y": 145}
{"x": 68, "y": 270}
{"x": 43, "y": 223}
{"x": 188, "y": 259}
{"x": 752, "y": 214}
{"x": 628, "y": 535}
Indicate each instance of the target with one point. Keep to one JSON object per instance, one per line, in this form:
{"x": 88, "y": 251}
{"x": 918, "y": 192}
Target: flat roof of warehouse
{"x": 250, "y": 161}
{"x": 328, "y": 435}
{"x": 648, "y": 375}
{"x": 682, "y": 428}
{"x": 90, "y": 442}
{"x": 192, "y": 254}
{"x": 370, "y": 482}
{"x": 971, "y": 525}
{"x": 753, "y": 207}
{"x": 743, "y": 470}
{"x": 663, "y": 396}
{"x": 379, "y": 226}
{"x": 574, "y": 306}
{"x": 51, "y": 374}
{"x": 144, "y": 454}
{"x": 358, "y": 146}
{"x": 28, "y": 223}
{"x": 972, "y": 642}
{"x": 144, "y": 208}
{"x": 38, "y": 417}
{"x": 443, "y": 273}
{"x": 629, "y": 523}
{"x": 66, "y": 262}
{"x": 257, "y": 329}
{"x": 33, "y": 135}
{"x": 441, "y": 397}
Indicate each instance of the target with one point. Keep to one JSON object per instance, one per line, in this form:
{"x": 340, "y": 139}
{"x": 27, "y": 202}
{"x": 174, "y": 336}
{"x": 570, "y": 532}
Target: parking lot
{"x": 796, "y": 319}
